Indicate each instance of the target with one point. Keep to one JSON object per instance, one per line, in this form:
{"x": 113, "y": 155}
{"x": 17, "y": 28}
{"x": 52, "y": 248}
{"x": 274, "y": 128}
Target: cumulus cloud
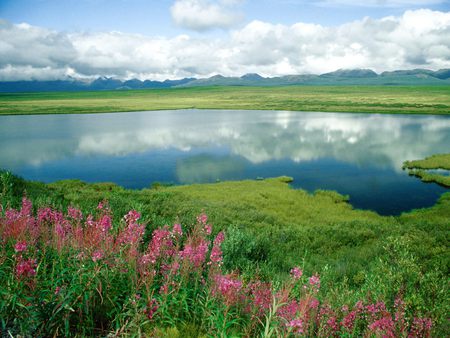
{"x": 417, "y": 39}
{"x": 202, "y": 15}
{"x": 380, "y": 3}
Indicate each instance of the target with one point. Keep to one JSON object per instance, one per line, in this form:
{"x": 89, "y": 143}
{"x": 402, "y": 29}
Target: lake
{"x": 356, "y": 154}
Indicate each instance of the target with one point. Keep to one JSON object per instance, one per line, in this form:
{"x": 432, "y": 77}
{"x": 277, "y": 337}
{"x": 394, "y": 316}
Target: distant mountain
{"x": 340, "y": 77}
{"x": 351, "y": 73}
{"x": 101, "y": 83}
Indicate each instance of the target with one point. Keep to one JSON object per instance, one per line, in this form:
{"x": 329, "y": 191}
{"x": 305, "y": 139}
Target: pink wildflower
{"x": 314, "y": 281}
{"x": 27, "y": 207}
{"x": 384, "y": 327}
{"x": 216, "y": 252}
{"x": 202, "y": 219}
{"x": 74, "y": 213}
{"x": 25, "y": 268}
{"x": 177, "y": 231}
{"x": 296, "y": 272}
{"x": 97, "y": 255}
{"x": 421, "y": 327}
{"x": 227, "y": 287}
{"x": 296, "y": 326}
{"x": 152, "y": 307}
{"x": 349, "y": 321}
{"x": 20, "y": 246}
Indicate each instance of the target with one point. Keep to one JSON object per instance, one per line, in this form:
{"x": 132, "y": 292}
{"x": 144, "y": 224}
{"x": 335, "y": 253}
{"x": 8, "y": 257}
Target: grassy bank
{"x": 269, "y": 228}
{"x": 364, "y": 99}
{"x": 419, "y": 168}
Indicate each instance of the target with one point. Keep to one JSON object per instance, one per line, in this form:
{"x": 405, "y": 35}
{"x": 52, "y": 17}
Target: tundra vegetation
{"x": 428, "y": 169}
{"x": 361, "y": 99}
{"x": 249, "y": 258}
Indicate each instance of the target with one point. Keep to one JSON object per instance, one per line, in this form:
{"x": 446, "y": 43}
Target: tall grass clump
{"x": 75, "y": 274}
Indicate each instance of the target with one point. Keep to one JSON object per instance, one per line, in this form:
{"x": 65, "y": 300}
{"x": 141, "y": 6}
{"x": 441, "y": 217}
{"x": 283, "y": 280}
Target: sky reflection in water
{"x": 356, "y": 154}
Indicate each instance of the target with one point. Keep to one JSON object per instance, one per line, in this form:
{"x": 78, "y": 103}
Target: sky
{"x": 171, "y": 39}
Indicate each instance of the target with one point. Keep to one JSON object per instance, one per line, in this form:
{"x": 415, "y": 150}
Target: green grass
{"x": 274, "y": 226}
{"x": 364, "y": 99}
{"x": 271, "y": 227}
{"x": 419, "y": 168}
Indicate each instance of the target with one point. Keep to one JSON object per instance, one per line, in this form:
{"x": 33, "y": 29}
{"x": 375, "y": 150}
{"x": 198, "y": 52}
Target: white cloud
{"x": 417, "y": 39}
{"x": 381, "y": 3}
{"x": 202, "y": 15}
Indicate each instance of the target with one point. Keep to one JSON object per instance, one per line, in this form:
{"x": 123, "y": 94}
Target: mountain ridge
{"x": 338, "y": 77}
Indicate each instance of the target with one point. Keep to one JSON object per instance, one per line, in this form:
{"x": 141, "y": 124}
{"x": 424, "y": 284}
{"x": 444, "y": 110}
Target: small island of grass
{"x": 419, "y": 168}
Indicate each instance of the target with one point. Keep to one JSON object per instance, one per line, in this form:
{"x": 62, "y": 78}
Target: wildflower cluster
{"x": 177, "y": 276}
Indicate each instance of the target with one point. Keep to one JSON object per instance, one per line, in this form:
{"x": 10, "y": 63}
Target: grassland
{"x": 364, "y": 99}
{"x": 269, "y": 228}
{"x": 419, "y": 168}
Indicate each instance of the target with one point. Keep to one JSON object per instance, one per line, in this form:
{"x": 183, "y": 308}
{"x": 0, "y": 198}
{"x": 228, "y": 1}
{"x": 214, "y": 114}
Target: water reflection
{"x": 380, "y": 140}
{"x": 323, "y": 150}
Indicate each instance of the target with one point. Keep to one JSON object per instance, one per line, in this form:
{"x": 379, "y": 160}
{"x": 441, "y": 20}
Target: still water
{"x": 356, "y": 154}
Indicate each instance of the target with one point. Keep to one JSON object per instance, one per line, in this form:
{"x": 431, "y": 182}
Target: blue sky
{"x": 153, "y": 17}
{"x": 161, "y": 39}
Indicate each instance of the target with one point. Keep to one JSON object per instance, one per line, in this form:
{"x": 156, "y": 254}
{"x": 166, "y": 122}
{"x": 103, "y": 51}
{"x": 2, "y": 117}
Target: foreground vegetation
{"x": 364, "y": 99}
{"x": 420, "y": 168}
{"x": 277, "y": 262}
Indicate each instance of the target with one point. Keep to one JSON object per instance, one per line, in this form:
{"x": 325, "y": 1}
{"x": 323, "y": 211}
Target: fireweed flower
{"x": 151, "y": 309}
{"x": 74, "y": 213}
{"x": 176, "y": 231}
{"x": 314, "y": 282}
{"x": 296, "y": 272}
{"x": 228, "y": 288}
{"x": 97, "y": 255}
{"x": 296, "y": 325}
{"x": 25, "y": 268}
{"x": 202, "y": 219}
{"x": 20, "y": 246}
{"x": 216, "y": 252}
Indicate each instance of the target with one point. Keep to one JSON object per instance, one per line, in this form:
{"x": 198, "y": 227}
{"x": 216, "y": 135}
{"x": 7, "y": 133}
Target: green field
{"x": 269, "y": 228}
{"x": 364, "y": 99}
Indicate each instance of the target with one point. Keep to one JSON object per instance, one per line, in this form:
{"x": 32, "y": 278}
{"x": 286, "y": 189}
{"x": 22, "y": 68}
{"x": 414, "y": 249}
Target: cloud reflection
{"x": 257, "y": 136}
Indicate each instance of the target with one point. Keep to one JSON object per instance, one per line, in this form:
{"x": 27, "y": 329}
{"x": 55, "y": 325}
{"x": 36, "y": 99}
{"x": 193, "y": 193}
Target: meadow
{"x": 363, "y": 99}
{"x": 249, "y": 258}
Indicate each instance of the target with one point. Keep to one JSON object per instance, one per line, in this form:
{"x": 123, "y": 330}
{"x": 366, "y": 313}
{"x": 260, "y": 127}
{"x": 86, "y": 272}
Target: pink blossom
{"x": 384, "y": 326}
{"x": 20, "y": 246}
{"x": 202, "y": 219}
{"x": 177, "y": 231}
{"x": 74, "y": 213}
{"x": 105, "y": 223}
{"x": 152, "y": 307}
{"x": 349, "y": 320}
{"x": 228, "y": 288}
{"x": 132, "y": 216}
{"x": 25, "y": 268}
{"x": 216, "y": 252}
{"x": 195, "y": 254}
{"x": 296, "y": 272}
{"x": 27, "y": 207}
{"x": 296, "y": 326}
{"x": 261, "y": 296}
{"x": 208, "y": 229}
{"x": 97, "y": 255}
{"x": 421, "y": 327}
{"x": 314, "y": 281}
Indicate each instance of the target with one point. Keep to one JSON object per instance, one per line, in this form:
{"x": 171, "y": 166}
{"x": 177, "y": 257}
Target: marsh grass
{"x": 420, "y": 168}
{"x": 362, "y": 99}
{"x": 269, "y": 229}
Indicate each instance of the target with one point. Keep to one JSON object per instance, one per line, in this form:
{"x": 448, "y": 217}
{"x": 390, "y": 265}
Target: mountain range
{"x": 339, "y": 77}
